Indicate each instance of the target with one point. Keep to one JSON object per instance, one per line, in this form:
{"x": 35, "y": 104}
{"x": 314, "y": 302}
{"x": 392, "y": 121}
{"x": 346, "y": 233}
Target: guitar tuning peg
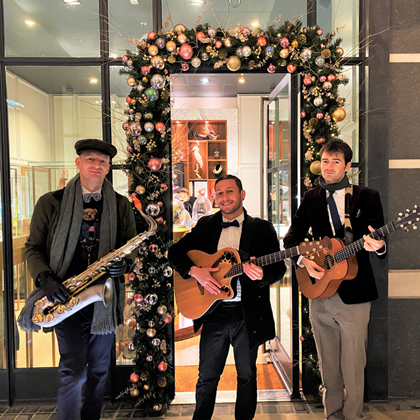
{"x": 408, "y": 211}
{"x": 406, "y": 215}
{"x": 415, "y": 206}
{"x": 415, "y": 227}
{"x": 400, "y": 214}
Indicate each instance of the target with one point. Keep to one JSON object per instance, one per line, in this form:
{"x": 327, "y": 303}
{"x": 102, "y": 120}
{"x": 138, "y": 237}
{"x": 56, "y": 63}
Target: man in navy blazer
{"x": 340, "y": 322}
{"x": 245, "y": 321}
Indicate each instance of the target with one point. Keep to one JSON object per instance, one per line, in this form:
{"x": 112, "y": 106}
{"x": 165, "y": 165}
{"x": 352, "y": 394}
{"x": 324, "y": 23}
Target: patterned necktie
{"x": 334, "y": 212}
{"x": 87, "y": 197}
{"x": 229, "y": 224}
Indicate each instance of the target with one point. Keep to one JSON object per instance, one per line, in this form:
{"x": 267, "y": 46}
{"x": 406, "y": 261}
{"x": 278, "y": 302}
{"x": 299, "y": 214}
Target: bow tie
{"x": 229, "y": 224}
{"x": 87, "y": 197}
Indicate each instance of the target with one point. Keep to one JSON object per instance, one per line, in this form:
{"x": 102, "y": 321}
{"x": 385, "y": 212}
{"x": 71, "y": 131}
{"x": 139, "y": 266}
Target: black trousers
{"x": 225, "y": 326}
{"x": 85, "y": 360}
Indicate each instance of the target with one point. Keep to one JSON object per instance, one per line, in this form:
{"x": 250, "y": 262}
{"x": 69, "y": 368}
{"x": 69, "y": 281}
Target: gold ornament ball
{"x": 339, "y": 51}
{"x": 228, "y": 43}
{"x": 134, "y": 392}
{"x": 315, "y": 167}
{"x": 145, "y": 80}
{"x": 233, "y": 63}
{"x": 295, "y": 44}
{"x": 182, "y": 38}
{"x": 151, "y": 332}
{"x": 180, "y": 28}
{"x": 208, "y": 48}
{"x": 153, "y": 50}
{"x": 131, "y": 81}
{"x": 146, "y": 387}
{"x": 171, "y": 46}
{"x": 140, "y": 189}
{"x": 171, "y": 59}
{"x": 339, "y": 114}
{"x": 284, "y": 53}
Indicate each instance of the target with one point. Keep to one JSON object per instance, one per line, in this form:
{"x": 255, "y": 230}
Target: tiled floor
{"x": 390, "y": 410}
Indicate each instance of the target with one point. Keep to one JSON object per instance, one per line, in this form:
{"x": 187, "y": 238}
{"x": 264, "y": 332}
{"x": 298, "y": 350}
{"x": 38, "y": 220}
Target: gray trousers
{"x": 340, "y": 332}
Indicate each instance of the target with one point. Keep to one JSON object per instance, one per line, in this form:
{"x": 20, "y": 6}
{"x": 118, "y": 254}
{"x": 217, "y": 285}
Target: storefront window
{"x": 51, "y": 29}
{"x": 49, "y": 109}
{"x": 341, "y": 17}
{"x": 227, "y": 14}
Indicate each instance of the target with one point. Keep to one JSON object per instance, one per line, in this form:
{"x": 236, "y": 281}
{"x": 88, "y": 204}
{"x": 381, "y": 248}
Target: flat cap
{"x": 95, "y": 144}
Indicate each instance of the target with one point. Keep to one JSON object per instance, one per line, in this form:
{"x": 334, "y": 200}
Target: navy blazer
{"x": 258, "y": 239}
{"x": 366, "y": 209}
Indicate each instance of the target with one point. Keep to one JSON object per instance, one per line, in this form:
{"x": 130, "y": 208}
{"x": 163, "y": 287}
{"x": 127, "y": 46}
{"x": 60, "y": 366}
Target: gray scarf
{"x": 64, "y": 242}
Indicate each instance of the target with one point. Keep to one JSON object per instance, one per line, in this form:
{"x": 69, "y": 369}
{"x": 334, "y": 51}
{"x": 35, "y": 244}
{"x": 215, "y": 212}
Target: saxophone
{"x": 82, "y": 290}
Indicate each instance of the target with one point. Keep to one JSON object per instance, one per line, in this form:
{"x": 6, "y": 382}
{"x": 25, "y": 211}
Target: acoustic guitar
{"x": 339, "y": 261}
{"x": 194, "y": 300}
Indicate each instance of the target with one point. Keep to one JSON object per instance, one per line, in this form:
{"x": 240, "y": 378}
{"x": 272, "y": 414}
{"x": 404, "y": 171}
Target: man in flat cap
{"x": 70, "y": 229}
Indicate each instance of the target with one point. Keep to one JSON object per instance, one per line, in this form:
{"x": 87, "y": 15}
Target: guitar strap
{"x": 348, "y": 230}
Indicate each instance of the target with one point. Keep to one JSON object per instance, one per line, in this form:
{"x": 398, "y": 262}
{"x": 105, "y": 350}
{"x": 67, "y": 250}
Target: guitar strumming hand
{"x": 204, "y": 277}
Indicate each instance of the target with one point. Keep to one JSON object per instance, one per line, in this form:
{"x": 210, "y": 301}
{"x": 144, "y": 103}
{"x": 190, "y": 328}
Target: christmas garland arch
{"x": 317, "y": 57}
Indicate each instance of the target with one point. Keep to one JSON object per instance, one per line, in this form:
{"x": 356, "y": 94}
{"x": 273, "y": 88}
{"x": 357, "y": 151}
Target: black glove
{"x": 52, "y": 287}
{"x": 118, "y": 268}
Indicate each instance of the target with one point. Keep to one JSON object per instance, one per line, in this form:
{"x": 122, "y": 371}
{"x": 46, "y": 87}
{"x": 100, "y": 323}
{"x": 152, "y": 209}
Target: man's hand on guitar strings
{"x": 204, "y": 277}
{"x": 372, "y": 244}
{"x": 313, "y": 269}
{"x": 253, "y": 271}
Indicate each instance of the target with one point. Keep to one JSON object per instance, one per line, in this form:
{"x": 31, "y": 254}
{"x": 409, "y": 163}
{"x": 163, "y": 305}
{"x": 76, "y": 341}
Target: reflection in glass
{"x": 51, "y": 29}
{"x": 2, "y": 319}
{"x": 219, "y": 13}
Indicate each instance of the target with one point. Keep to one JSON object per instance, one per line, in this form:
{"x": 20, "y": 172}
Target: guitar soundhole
{"x": 329, "y": 262}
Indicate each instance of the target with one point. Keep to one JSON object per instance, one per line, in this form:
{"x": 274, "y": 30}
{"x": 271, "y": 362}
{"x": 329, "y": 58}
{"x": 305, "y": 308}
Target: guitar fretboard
{"x": 355, "y": 247}
{"x": 237, "y": 269}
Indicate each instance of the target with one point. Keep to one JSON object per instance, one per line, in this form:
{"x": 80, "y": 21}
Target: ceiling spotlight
{"x": 29, "y": 22}
{"x": 241, "y": 79}
{"x": 143, "y": 23}
{"x": 93, "y": 81}
{"x": 134, "y": 1}
{"x": 196, "y": 2}
{"x": 205, "y": 81}
{"x": 71, "y": 1}
{"x": 255, "y": 24}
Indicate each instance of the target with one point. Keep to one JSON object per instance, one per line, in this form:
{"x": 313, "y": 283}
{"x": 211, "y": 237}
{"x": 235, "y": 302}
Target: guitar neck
{"x": 237, "y": 269}
{"x": 355, "y": 247}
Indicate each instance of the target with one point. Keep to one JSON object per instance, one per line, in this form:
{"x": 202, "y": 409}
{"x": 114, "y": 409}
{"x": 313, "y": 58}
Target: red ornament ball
{"x": 145, "y": 70}
{"x": 138, "y": 297}
{"x": 322, "y": 79}
{"x": 153, "y": 248}
{"x": 186, "y": 51}
{"x": 131, "y": 276}
{"x": 291, "y": 68}
{"x": 319, "y": 115}
{"x": 132, "y": 324}
{"x": 218, "y": 44}
{"x": 261, "y": 41}
{"x": 154, "y": 164}
{"x": 134, "y": 377}
{"x": 163, "y": 187}
{"x": 271, "y": 68}
{"x": 303, "y": 114}
{"x": 200, "y": 36}
{"x": 331, "y": 77}
{"x": 307, "y": 81}
{"x": 159, "y": 203}
{"x": 160, "y": 220}
{"x": 124, "y": 58}
{"x": 284, "y": 42}
{"x": 128, "y": 99}
{"x": 245, "y": 31}
{"x": 319, "y": 32}
{"x": 168, "y": 319}
{"x": 321, "y": 140}
{"x": 184, "y": 66}
{"x": 151, "y": 36}
{"x": 162, "y": 366}
{"x": 160, "y": 126}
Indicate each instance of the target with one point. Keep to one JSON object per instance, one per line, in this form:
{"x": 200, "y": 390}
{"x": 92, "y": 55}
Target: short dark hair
{"x": 184, "y": 190}
{"x": 226, "y": 177}
{"x": 335, "y": 147}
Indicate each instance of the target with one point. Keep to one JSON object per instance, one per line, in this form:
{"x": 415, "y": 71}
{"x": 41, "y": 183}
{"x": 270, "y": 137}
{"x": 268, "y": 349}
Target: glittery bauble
{"x": 142, "y": 140}
{"x": 239, "y": 52}
{"x": 157, "y": 81}
{"x": 156, "y": 342}
{"x": 129, "y": 63}
{"x": 284, "y": 53}
{"x": 168, "y": 319}
{"x": 322, "y": 79}
{"x": 303, "y": 114}
{"x": 269, "y": 51}
{"x": 135, "y": 129}
{"x": 246, "y": 51}
{"x": 179, "y": 28}
{"x": 160, "y": 42}
{"x": 167, "y": 271}
{"x": 154, "y": 164}
{"x": 306, "y": 54}
{"x": 145, "y": 70}
{"x": 160, "y": 126}
{"x": 149, "y": 358}
{"x": 196, "y": 62}
{"x": 151, "y": 324}
{"x": 284, "y": 42}
{"x": 152, "y": 209}
{"x": 204, "y": 56}
{"x": 134, "y": 377}
{"x": 320, "y": 61}
{"x": 146, "y": 387}
{"x": 291, "y": 68}
{"x": 162, "y": 366}
{"x": 318, "y": 101}
{"x": 320, "y": 140}
{"x": 326, "y": 53}
{"x": 171, "y": 46}
{"x": 153, "y": 50}
{"x": 233, "y": 63}
{"x": 338, "y": 115}
{"x": 138, "y": 297}
{"x": 134, "y": 392}
{"x": 218, "y": 44}
{"x": 211, "y": 32}
{"x": 157, "y": 407}
{"x": 126, "y": 126}
{"x": 149, "y": 127}
{"x": 261, "y": 41}
{"x": 271, "y": 68}
{"x": 152, "y": 94}
{"x": 153, "y": 248}
{"x": 158, "y": 62}
{"x": 162, "y": 309}
{"x": 295, "y": 44}
{"x": 182, "y": 38}
{"x": 161, "y": 382}
{"x": 151, "y": 36}
{"x": 227, "y": 42}
{"x": 200, "y": 36}
{"x": 251, "y": 64}
{"x": 151, "y": 332}
{"x": 145, "y": 80}
{"x": 339, "y": 51}
{"x": 186, "y": 51}
{"x": 315, "y": 167}
{"x": 319, "y": 115}
{"x": 307, "y": 81}
{"x": 331, "y": 77}
{"x": 131, "y": 346}
{"x": 148, "y": 116}
{"x": 151, "y": 299}
{"x": 171, "y": 59}
{"x": 245, "y": 31}
{"x": 319, "y": 32}
{"x": 327, "y": 85}
{"x": 131, "y": 81}
{"x": 185, "y": 66}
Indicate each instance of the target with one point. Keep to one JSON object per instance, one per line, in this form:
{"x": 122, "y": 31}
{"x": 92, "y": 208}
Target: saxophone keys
{"x": 72, "y": 303}
{"x": 36, "y": 319}
{"x": 49, "y": 318}
{"x": 61, "y": 309}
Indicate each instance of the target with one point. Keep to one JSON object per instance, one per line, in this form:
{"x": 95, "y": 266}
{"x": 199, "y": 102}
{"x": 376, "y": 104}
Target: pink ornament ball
{"x": 218, "y": 44}
{"x": 307, "y": 81}
{"x": 331, "y": 77}
{"x": 160, "y": 203}
{"x": 319, "y": 115}
{"x": 321, "y": 140}
{"x": 245, "y": 31}
{"x": 303, "y": 114}
{"x": 322, "y": 79}
{"x": 153, "y": 248}
{"x": 184, "y": 66}
{"x": 284, "y": 42}
{"x": 160, "y": 220}
{"x": 162, "y": 366}
{"x": 186, "y": 51}
{"x": 145, "y": 70}
{"x": 138, "y": 298}
{"x": 319, "y": 32}
{"x": 131, "y": 276}
{"x": 200, "y": 36}
{"x": 163, "y": 187}
{"x": 154, "y": 164}
{"x": 124, "y": 58}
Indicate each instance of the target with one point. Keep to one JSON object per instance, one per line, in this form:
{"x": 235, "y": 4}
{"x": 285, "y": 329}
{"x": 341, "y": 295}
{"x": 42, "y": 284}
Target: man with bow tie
{"x": 245, "y": 321}
{"x": 71, "y": 228}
